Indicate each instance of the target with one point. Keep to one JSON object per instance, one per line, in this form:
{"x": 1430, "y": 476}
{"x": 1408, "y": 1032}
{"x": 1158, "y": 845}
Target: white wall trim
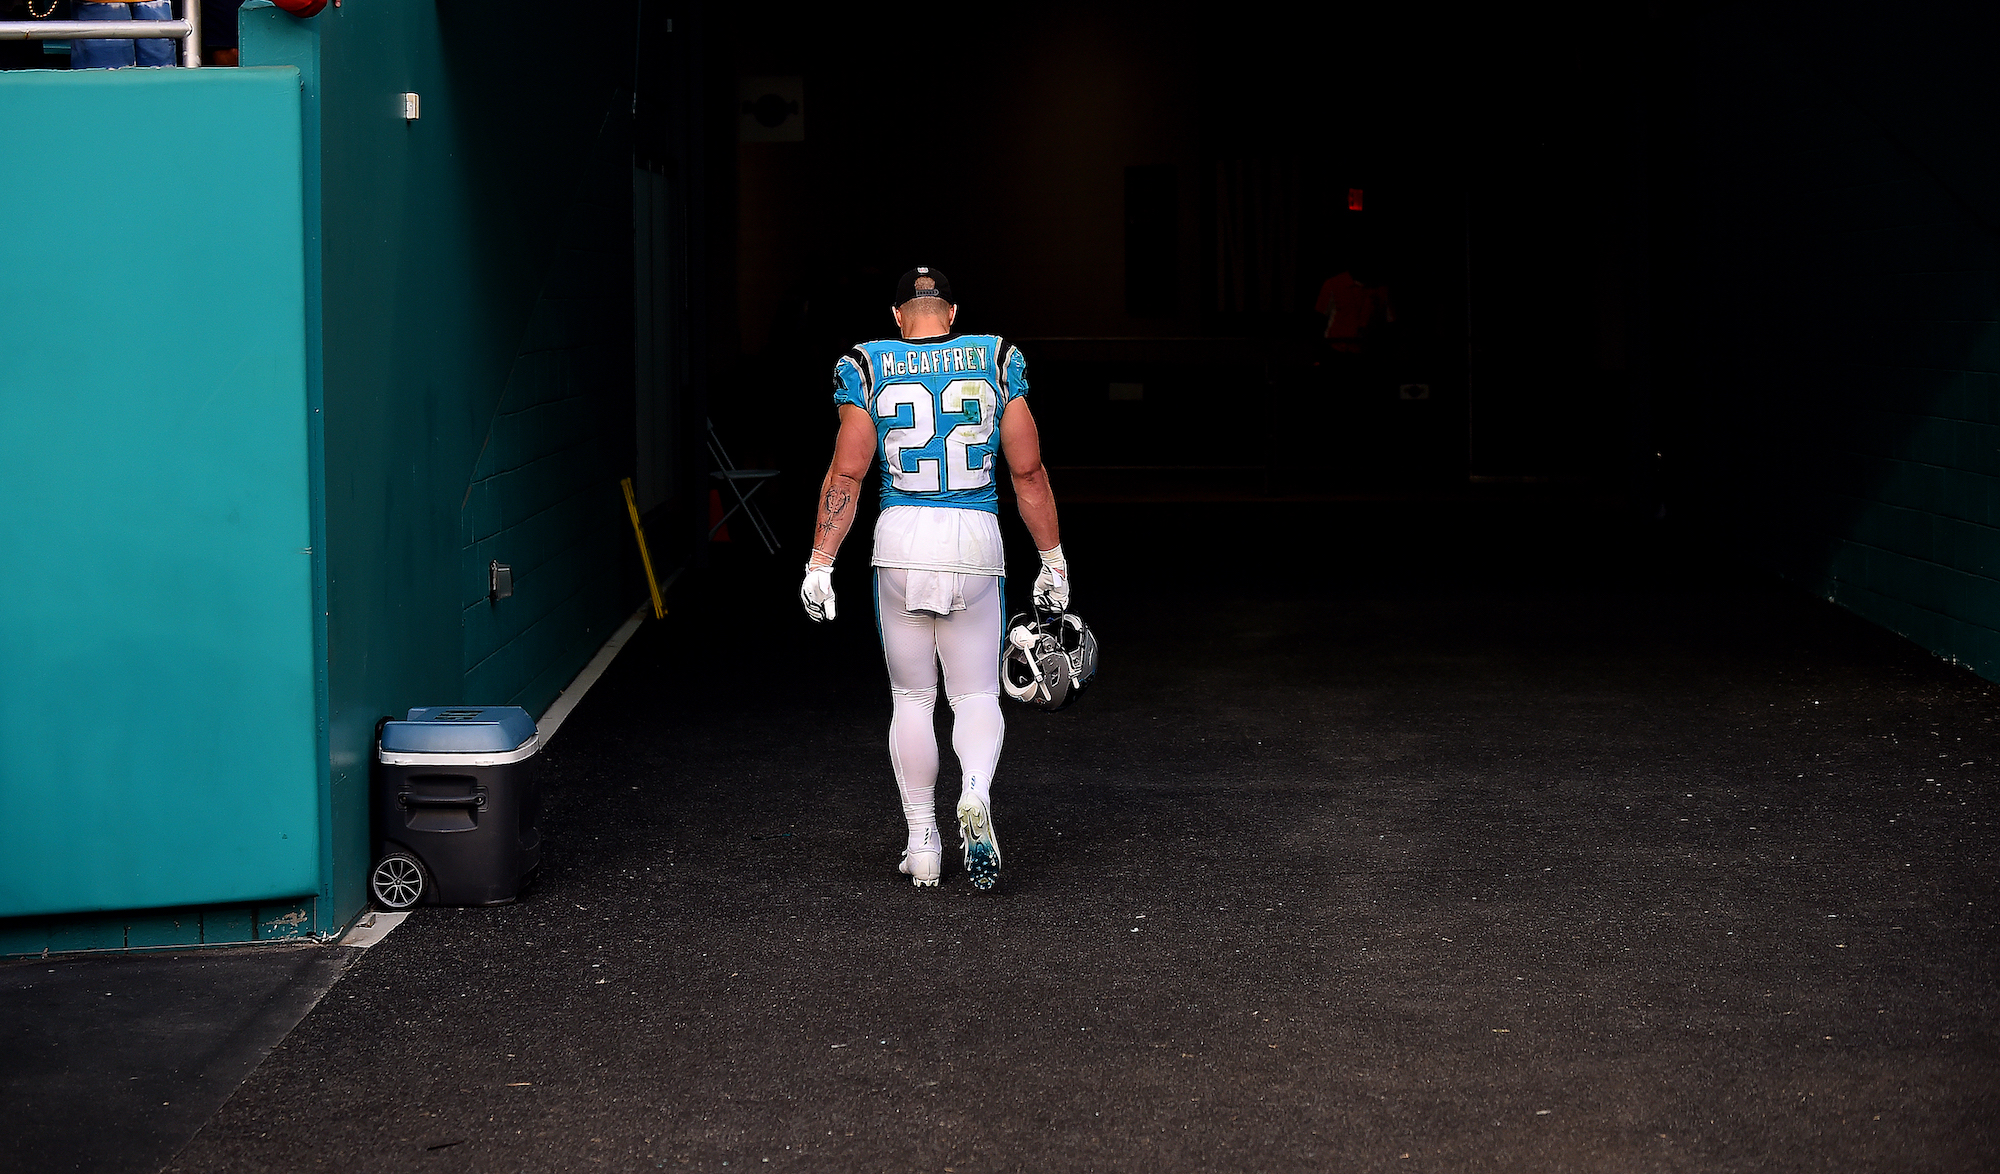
{"x": 559, "y": 709}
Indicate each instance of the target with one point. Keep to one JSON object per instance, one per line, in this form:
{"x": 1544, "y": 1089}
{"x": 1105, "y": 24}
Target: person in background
{"x": 1352, "y": 376}
{"x": 119, "y": 52}
{"x": 1355, "y": 306}
{"x": 30, "y": 54}
{"x": 1358, "y": 312}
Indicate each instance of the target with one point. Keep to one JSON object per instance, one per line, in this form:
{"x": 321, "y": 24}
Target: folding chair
{"x": 743, "y": 485}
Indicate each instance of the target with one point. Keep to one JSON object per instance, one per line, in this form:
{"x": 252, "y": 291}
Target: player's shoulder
{"x": 853, "y": 360}
{"x": 995, "y": 346}
{"x": 862, "y": 353}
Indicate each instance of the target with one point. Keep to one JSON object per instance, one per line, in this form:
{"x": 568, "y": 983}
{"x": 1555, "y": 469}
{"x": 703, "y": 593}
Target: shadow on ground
{"x": 1479, "y": 837}
{"x": 113, "y": 1061}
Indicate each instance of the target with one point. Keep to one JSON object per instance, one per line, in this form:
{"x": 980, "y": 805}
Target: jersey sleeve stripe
{"x": 1001, "y": 349}
{"x": 859, "y": 361}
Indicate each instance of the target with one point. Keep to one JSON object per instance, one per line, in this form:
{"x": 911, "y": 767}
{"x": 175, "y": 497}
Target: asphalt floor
{"x": 1462, "y": 836}
{"x": 111, "y": 1062}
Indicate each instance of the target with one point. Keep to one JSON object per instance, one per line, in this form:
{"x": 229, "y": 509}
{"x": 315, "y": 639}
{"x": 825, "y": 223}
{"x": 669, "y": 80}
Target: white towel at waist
{"x": 939, "y": 538}
{"x": 940, "y": 592}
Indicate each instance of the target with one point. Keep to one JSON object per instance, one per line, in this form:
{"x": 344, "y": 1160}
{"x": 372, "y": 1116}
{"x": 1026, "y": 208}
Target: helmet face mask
{"x": 1048, "y": 659}
{"x": 1079, "y": 645}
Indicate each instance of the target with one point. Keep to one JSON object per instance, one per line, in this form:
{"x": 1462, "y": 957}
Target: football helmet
{"x": 1050, "y": 657}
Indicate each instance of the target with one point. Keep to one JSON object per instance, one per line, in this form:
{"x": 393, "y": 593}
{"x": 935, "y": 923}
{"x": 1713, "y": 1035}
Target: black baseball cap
{"x": 906, "y": 286}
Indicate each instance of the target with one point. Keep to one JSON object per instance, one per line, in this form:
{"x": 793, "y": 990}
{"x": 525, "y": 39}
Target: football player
{"x": 934, "y": 410}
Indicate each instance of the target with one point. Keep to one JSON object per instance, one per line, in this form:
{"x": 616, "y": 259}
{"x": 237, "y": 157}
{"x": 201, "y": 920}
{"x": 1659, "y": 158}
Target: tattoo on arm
{"x": 833, "y": 509}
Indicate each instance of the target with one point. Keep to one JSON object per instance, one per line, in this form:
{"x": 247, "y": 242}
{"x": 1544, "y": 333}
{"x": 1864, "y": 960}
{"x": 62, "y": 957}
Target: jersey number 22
{"x": 959, "y": 397}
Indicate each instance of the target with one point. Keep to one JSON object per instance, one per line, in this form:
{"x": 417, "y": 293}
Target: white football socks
{"x": 923, "y": 854}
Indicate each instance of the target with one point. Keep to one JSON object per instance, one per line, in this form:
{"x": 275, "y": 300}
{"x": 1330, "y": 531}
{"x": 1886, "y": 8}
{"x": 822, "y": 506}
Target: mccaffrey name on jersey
{"x": 931, "y": 360}
{"x": 936, "y": 403}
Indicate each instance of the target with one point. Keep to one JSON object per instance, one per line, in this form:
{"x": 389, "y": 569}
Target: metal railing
{"x": 186, "y": 30}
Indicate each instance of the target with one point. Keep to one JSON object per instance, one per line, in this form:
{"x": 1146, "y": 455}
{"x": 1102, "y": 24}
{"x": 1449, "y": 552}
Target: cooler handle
{"x": 408, "y": 800}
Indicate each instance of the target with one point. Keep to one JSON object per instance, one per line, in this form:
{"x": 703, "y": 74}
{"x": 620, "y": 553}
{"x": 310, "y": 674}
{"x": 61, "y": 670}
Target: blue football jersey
{"x": 936, "y": 403}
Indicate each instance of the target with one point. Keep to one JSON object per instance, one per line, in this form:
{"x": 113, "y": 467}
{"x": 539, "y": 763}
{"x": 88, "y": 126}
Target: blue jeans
{"x": 120, "y": 52}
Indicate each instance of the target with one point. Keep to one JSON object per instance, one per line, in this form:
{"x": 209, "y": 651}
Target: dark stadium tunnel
{"x": 1591, "y": 443}
{"x": 1150, "y": 201}
{"x": 1607, "y": 283}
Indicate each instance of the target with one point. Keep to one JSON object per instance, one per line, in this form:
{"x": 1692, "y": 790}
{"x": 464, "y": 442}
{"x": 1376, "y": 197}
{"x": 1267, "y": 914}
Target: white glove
{"x": 1052, "y": 583}
{"x": 817, "y": 591}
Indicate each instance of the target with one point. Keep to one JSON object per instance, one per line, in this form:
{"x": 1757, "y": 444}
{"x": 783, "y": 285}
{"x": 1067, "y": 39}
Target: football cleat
{"x": 923, "y": 860}
{"x": 980, "y": 841}
{"x": 1050, "y": 657}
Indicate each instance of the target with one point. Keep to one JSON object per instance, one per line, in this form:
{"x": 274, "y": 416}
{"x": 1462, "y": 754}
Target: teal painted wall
{"x": 158, "y": 709}
{"x": 471, "y": 311}
{"x": 158, "y": 929}
{"x": 540, "y": 499}
{"x": 1838, "y": 406}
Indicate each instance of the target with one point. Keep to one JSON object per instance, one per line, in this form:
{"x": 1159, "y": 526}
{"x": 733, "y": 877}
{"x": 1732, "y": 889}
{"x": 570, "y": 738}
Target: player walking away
{"x": 931, "y": 409}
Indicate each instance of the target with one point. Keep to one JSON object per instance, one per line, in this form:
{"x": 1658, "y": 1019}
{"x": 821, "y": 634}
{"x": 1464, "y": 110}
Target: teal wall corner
{"x": 470, "y": 313}
{"x": 158, "y": 712}
{"x": 271, "y": 38}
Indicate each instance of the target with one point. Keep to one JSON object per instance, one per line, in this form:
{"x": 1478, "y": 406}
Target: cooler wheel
{"x": 397, "y": 882}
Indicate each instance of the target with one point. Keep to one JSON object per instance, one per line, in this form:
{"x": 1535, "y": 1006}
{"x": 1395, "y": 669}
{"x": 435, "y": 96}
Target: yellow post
{"x": 652, "y": 584}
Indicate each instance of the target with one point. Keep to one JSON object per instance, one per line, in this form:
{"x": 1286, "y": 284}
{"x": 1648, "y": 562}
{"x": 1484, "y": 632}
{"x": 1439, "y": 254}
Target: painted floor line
{"x": 372, "y": 928}
{"x": 559, "y": 710}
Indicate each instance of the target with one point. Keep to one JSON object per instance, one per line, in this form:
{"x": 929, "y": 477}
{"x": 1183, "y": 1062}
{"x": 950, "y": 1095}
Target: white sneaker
{"x": 923, "y": 860}
{"x": 980, "y": 841}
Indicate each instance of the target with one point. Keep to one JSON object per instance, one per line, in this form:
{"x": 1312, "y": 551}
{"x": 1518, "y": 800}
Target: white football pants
{"x": 968, "y": 642}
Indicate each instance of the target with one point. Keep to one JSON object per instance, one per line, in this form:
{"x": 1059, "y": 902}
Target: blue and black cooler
{"x": 460, "y": 800}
